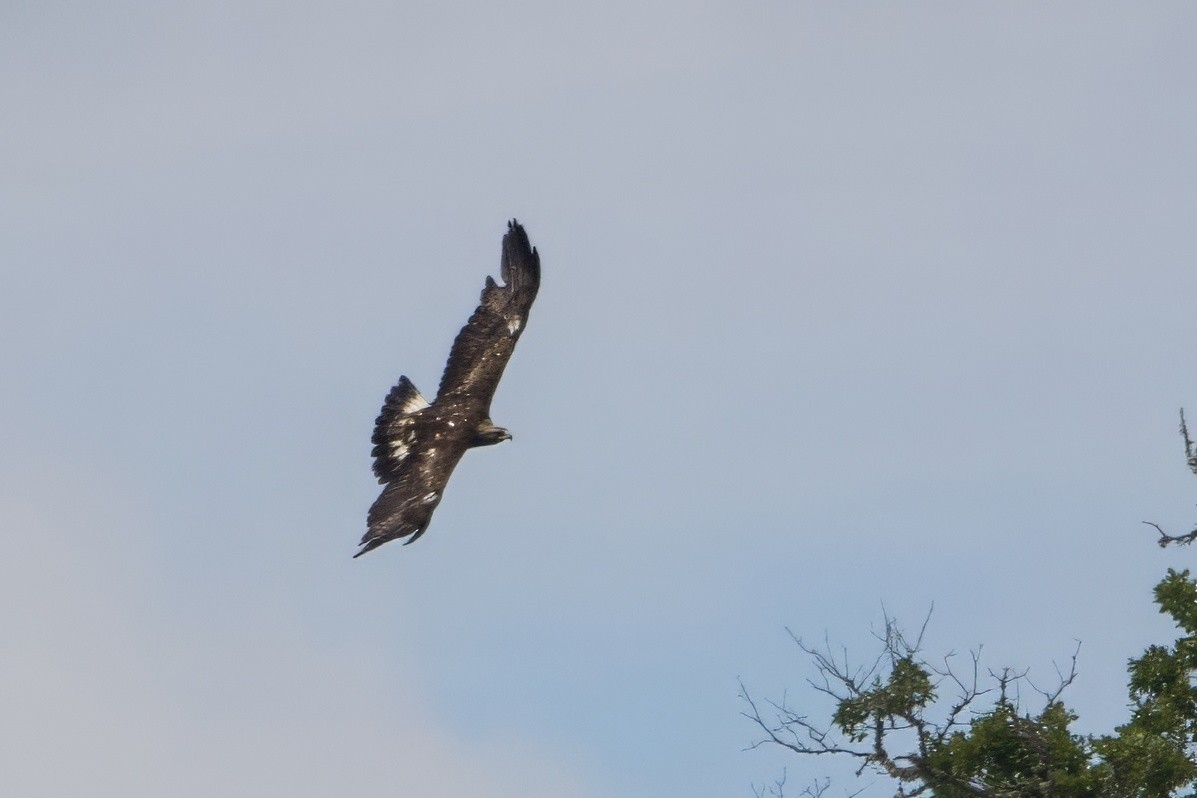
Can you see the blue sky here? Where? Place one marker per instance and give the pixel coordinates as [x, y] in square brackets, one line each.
[842, 306]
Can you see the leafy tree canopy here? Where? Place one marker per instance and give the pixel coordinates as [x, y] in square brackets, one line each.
[943, 729]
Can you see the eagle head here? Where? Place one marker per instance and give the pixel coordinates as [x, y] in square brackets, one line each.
[487, 434]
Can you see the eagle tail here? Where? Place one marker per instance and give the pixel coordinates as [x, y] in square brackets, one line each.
[397, 418]
[403, 400]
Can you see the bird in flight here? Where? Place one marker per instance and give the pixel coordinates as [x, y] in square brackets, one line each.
[418, 443]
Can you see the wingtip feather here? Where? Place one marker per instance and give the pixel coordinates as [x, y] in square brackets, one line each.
[520, 265]
[369, 544]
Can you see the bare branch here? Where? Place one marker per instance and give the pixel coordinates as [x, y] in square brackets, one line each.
[793, 731]
[1064, 681]
[1190, 451]
[777, 789]
[1165, 539]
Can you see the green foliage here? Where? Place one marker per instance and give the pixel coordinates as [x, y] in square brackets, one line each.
[1002, 750]
[937, 733]
[907, 689]
[1153, 754]
[1013, 754]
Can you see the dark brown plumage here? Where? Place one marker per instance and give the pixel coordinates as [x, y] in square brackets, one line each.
[418, 443]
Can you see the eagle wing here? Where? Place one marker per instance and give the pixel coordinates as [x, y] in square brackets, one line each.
[482, 348]
[417, 444]
[414, 458]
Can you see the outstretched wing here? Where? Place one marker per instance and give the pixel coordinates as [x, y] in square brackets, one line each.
[413, 460]
[482, 348]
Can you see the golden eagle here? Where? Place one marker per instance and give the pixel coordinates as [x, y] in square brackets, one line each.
[417, 443]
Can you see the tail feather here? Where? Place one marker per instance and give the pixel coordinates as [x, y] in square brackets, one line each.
[395, 428]
[402, 400]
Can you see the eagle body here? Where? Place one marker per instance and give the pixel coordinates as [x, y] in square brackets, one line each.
[418, 443]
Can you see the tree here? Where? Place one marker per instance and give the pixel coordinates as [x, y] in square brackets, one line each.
[946, 729]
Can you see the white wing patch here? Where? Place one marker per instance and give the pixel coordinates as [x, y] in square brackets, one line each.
[429, 498]
[415, 403]
[401, 446]
[513, 326]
